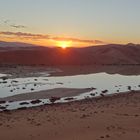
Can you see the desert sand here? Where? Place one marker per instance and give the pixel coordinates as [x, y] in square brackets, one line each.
[114, 117]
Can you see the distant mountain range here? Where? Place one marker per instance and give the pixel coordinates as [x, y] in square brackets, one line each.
[14, 44]
[5, 46]
[22, 53]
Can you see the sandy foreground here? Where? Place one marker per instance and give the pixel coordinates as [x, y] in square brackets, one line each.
[114, 117]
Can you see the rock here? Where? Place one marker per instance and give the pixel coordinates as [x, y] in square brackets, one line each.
[84, 116]
[107, 136]
[6, 111]
[59, 83]
[11, 101]
[4, 82]
[4, 78]
[36, 101]
[14, 81]
[35, 85]
[92, 94]
[102, 95]
[129, 88]
[53, 99]
[2, 107]
[2, 102]
[105, 91]
[24, 103]
[93, 88]
[70, 98]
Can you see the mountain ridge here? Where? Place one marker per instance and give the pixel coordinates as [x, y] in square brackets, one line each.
[103, 54]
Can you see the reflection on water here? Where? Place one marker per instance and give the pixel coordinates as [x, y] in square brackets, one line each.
[100, 83]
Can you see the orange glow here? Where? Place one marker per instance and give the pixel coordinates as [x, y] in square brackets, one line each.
[49, 42]
[64, 44]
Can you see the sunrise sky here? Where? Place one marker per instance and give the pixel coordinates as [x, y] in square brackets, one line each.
[70, 22]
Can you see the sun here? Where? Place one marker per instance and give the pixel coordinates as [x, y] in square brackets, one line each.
[64, 44]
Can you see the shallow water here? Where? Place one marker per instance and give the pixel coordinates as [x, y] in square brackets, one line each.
[100, 82]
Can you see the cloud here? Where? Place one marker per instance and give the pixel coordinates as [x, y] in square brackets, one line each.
[6, 21]
[26, 35]
[49, 37]
[79, 40]
[18, 26]
[13, 25]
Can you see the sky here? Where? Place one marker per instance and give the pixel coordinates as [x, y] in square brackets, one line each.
[70, 22]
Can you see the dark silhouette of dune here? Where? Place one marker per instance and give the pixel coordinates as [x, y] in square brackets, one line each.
[21, 53]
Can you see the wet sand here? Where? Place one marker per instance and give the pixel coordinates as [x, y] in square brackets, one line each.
[37, 70]
[59, 92]
[114, 117]
[89, 69]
